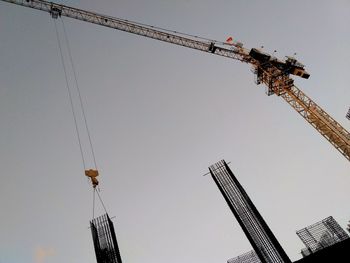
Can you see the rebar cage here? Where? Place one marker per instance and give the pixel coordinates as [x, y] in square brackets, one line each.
[320, 235]
[105, 241]
[253, 225]
[248, 257]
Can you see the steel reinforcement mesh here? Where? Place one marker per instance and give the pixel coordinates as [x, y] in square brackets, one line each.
[254, 226]
[322, 234]
[249, 257]
[105, 241]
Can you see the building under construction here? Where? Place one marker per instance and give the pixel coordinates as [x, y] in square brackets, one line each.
[325, 241]
[248, 257]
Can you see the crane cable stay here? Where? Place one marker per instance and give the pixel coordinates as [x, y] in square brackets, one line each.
[272, 72]
[90, 173]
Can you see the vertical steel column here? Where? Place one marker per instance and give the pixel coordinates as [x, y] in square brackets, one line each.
[254, 226]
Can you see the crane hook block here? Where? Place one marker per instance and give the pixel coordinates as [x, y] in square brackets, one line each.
[92, 174]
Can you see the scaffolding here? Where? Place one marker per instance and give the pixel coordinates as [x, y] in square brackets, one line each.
[248, 257]
[254, 226]
[105, 241]
[320, 235]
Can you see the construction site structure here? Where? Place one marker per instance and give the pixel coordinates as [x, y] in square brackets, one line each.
[105, 241]
[248, 257]
[320, 235]
[348, 114]
[252, 223]
[325, 241]
[269, 70]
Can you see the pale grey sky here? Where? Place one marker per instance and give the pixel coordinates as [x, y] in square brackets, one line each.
[159, 116]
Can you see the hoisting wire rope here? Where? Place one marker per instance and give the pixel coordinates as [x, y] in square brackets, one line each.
[104, 207]
[93, 203]
[79, 94]
[74, 113]
[70, 96]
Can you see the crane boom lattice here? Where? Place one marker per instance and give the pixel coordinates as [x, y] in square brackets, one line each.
[275, 74]
[319, 119]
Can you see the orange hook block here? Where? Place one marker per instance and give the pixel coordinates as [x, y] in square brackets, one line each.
[92, 174]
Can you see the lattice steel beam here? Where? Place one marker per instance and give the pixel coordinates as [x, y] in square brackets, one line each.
[319, 119]
[57, 10]
[277, 81]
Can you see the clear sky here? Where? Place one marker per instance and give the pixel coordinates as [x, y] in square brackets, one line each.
[159, 115]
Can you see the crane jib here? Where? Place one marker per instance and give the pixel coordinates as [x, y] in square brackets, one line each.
[269, 70]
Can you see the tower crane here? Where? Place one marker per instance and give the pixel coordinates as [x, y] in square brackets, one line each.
[274, 73]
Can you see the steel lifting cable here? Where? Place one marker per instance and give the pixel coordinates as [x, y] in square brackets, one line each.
[91, 173]
[70, 96]
[93, 203]
[79, 93]
[104, 207]
[73, 111]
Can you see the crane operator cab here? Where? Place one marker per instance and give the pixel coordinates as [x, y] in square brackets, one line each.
[92, 174]
[296, 67]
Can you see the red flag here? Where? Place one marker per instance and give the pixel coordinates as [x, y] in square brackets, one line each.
[229, 40]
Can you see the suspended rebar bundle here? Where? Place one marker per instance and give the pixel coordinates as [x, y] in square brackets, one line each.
[105, 241]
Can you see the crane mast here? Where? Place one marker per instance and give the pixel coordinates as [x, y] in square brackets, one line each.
[275, 74]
